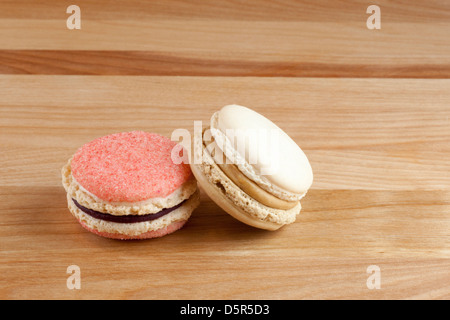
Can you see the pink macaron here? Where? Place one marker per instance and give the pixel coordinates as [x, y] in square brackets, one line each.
[126, 186]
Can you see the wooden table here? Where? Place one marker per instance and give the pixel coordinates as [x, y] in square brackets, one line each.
[370, 108]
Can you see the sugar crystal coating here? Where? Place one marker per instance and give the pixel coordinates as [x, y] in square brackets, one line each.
[129, 167]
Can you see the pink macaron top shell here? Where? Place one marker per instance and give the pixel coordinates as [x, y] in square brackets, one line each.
[129, 167]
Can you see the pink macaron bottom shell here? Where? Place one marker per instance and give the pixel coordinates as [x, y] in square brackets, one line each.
[146, 235]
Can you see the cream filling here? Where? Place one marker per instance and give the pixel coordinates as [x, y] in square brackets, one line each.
[134, 229]
[226, 146]
[238, 198]
[247, 185]
[154, 205]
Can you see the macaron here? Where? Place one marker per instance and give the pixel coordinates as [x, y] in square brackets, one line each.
[251, 168]
[126, 186]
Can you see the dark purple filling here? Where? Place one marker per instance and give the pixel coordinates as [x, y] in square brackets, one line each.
[126, 219]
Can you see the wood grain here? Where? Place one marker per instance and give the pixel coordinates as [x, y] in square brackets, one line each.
[261, 10]
[370, 108]
[378, 147]
[353, 130]
[109, 62]
[227, 38]
[323, 255]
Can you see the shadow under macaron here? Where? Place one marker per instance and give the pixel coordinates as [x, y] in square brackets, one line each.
[210, 222]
